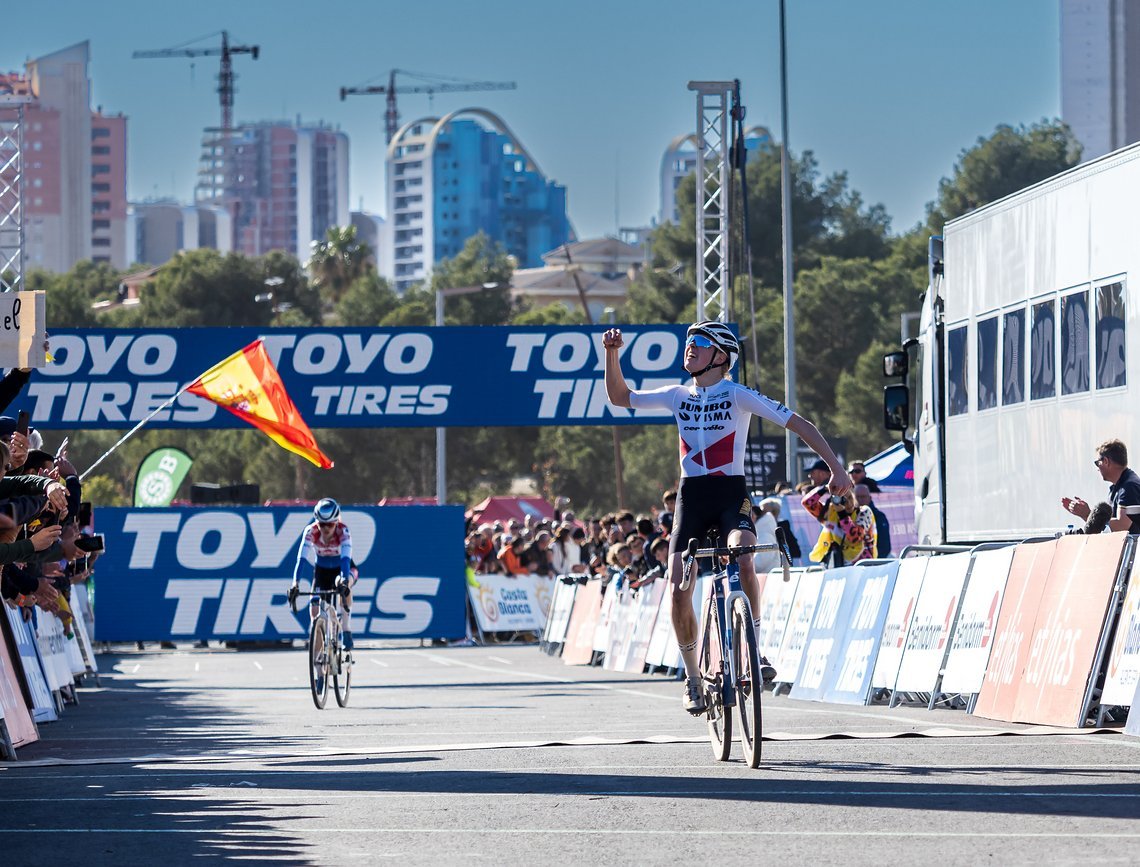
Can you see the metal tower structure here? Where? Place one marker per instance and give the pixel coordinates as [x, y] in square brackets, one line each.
[11, 191]
[714, 106]
[435, 84]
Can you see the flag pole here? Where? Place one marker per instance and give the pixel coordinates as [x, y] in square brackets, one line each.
[134, 430]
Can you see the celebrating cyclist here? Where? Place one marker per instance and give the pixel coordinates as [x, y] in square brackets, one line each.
[325, 556]
[712, 415]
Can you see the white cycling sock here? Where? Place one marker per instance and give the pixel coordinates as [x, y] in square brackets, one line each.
[692, 660]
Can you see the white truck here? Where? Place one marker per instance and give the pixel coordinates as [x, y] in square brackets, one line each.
[1027, 356]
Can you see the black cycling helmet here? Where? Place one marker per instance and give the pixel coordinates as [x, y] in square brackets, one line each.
[327, 510]
[722, 338]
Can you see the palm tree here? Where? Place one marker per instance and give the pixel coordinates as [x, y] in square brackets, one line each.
[337, 261]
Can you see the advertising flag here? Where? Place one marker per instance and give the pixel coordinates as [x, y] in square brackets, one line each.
[159, 476]
[248, 385]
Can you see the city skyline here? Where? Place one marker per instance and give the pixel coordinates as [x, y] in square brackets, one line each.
[599, 94]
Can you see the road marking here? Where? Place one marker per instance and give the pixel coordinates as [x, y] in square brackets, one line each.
[500, 659]
[633, 832]
[136, 668]
[196, 666]
[258, 665]
[375, 661]
[720, 791]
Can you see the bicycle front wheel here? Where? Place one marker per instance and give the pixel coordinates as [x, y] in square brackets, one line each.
[318, 662]
[342, 677]
[712, 680]
[749, 682]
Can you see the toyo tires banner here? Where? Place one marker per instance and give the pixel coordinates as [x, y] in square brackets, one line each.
[357, 377]
[222, 573]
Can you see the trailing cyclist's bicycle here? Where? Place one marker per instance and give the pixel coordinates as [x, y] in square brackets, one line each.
[729, 655]
[328, 658]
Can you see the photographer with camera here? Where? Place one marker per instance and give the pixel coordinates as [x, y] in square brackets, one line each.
[847, 529]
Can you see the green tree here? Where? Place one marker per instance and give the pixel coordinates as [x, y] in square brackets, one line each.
[1009, 160]
[337, 261]
[200, 288]
[484, 263]
[367, 302]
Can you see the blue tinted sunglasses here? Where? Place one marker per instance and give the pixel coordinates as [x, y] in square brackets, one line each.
[699, 340]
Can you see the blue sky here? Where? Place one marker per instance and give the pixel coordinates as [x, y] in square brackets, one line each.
[890, 91]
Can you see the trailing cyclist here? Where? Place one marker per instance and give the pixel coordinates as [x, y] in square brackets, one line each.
[712, 415]
[325, 557]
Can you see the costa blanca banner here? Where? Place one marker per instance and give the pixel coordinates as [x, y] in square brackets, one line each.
[358, 377]
[223, 573]
[787, 661]
[507, 603]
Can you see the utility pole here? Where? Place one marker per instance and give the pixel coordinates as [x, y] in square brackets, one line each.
[791, 441]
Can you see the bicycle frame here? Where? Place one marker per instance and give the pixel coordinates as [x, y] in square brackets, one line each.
[724, 603]
[326, 610]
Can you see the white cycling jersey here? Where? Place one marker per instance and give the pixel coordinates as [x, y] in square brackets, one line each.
[712, 422]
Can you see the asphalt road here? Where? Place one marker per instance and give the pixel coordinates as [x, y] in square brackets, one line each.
[445, 754]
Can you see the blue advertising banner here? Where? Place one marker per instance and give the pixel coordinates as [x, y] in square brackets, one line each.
[222, 573]
[843, 643]
[358, 377]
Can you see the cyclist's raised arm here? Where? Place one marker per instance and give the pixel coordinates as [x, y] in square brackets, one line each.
[616, 388]
[840, 482]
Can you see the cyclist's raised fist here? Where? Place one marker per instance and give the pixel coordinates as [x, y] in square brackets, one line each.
[612, 339]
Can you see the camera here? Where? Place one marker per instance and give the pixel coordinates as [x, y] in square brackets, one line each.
[90, 544]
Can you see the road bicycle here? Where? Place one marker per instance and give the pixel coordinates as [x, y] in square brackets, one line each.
[328, 659]
[729, 655]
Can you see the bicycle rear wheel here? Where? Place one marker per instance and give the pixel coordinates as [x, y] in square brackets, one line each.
[342, 678]
[318, 662]
[749, 682]
[712, 679]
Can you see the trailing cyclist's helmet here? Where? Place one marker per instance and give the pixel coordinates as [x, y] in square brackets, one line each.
[720, 335]
[326, 511]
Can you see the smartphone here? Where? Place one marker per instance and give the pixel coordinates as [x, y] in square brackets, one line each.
[90, 544]
[22, 421]
[84, 516]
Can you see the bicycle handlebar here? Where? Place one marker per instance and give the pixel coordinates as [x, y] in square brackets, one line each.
[733, 551]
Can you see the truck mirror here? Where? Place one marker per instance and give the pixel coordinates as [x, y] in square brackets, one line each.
[896, 407]
[895, 364]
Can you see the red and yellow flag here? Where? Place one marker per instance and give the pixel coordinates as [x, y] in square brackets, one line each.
[249, 386]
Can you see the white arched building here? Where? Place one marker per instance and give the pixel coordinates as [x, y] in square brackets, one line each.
[449, 178]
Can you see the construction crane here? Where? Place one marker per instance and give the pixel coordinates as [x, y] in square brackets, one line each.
[225, 76]
[434, 84]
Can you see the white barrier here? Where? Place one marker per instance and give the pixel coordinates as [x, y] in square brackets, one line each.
[775, 607]
[605, 620]
[893, 640]
[977, 619]
[43, 706]
[554, 633]
[623, 620]
[787, 661]
[83, 636]
[53, 651]
[1123, 675]
[935, 611]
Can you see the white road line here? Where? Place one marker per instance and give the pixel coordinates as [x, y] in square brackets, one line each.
[307, 796]
[197, 666]
[136, 668]
[258, 664]
[375, 661]
[500, 659]
[728, 770]
[324, 830]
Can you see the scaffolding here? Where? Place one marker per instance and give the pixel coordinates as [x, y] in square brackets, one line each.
[11, 191]
[714, 106]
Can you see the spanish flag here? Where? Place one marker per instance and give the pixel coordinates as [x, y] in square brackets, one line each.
[249, 386]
